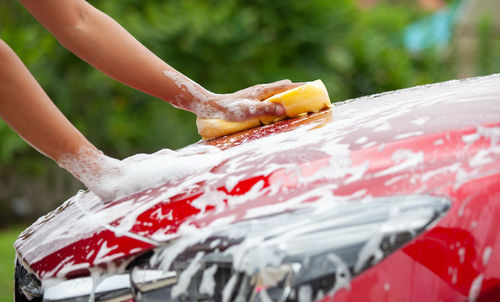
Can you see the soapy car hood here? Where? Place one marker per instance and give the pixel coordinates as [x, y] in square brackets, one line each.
[411, 141]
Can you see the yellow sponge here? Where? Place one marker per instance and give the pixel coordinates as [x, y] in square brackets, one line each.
[212, 128]
[310, 97]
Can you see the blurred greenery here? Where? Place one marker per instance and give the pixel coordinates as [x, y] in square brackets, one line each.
[7, 256]
[489, 47]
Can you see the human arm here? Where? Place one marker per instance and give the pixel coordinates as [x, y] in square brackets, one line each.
[103, 43]
[30, 112]
[26, 108]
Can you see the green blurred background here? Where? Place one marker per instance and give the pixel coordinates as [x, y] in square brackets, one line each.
[357, 47]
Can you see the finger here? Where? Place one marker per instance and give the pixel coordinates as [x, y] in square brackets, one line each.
[267, 90]
[243, 110]
[268, 108]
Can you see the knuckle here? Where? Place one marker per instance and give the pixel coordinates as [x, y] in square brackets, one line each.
[284, 82]
[264, 108]
[268, 107]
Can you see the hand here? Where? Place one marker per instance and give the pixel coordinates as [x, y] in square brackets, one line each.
[244, 104]
[111, 179]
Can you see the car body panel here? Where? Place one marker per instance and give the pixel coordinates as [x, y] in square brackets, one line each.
[453, 261]
[435, 139]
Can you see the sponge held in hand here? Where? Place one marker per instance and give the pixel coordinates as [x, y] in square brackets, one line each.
[310, 97]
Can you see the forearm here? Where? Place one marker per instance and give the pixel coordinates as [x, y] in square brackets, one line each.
[103, 43]
[29, 111]
[26, 108]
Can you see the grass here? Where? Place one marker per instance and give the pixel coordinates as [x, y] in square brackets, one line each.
[7, 255]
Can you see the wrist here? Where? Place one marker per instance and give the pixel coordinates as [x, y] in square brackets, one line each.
[185, 93]
[90, 166]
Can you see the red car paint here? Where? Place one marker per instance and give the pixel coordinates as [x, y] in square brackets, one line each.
[449, 132]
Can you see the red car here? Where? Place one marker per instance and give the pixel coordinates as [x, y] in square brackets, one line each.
[390, 197]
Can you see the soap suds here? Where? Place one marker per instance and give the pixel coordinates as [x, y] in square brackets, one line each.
[486, 255]
[342, 272]
[361, 140]
[420, 121]
[111, 179]
[186, 85]
[387, 286]
[305, 293]
[404, 160]
[186, 275]
[228, 288]
[409, 134]
[207, 285]
[475, 288]
[461, 254]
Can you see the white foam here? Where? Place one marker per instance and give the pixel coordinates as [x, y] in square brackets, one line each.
[228, 288]
[446, 169]
[207, 285]
[188, 86]
[408, 134]
[369, 250]
[404, 159]
[387, 286]
[206, 104]
[105, 250]
[361, 140]
[475, 288]
[186, 275]
[486, 255]
[420, 121]
[202, 104]
[461, 254]
[111, 179]
[305, 293]
[342, 273]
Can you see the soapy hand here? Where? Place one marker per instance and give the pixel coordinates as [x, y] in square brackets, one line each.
[111, 179]
[246, 103]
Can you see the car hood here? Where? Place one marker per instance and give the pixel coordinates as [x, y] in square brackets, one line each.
[385, 144]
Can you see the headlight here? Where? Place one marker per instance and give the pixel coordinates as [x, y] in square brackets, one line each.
[298, 255]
